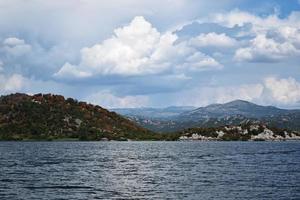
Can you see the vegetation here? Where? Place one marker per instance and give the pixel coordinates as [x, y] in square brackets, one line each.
[51, 117]
[243, 132]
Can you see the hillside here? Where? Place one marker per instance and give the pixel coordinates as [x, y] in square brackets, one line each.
[54, 117]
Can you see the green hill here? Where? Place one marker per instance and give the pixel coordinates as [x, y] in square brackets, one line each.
[47, 117]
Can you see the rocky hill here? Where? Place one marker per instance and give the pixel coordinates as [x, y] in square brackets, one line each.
[47, 116]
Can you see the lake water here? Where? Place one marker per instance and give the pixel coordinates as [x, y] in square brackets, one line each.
[149, 170]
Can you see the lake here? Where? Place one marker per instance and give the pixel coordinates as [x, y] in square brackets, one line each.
[149, 170]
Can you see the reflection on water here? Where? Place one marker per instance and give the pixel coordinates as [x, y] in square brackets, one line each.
[149, 170]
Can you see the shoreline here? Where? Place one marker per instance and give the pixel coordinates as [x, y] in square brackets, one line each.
[184, 141]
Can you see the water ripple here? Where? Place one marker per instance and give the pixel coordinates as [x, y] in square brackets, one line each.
[149, 170]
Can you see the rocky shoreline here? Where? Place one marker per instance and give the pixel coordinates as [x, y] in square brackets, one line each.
[255, 132]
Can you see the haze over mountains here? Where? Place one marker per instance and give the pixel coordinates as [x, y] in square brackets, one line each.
[154, 113]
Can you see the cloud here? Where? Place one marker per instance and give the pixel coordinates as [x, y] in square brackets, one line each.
[275, 39]
[220, 94]
[282, 91]
[90, 20]
[137, 49]
[199, 62]
[69, 70]
[263, 49]
[213, 40]
[15, 46]
[39, 40]
[12, 83]
[107, 99]
[1, 66]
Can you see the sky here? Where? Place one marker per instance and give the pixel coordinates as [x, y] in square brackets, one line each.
[158, 53]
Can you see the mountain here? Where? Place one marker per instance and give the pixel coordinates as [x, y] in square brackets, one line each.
[47, 116]
[215, 115]
[154, 113]
[233, 108]
[237, 112]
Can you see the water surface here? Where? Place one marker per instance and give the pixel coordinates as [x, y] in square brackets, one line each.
[149, 170]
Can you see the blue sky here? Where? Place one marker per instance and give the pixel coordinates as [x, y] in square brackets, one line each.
[135, 53]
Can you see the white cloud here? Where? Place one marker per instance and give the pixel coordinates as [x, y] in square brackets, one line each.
[282, 91]
[263, 49]
[260, 24]
[69, 70]
[220, 94]
[13, 41]
[11, 83]
[271, 91]
[198, 62]
[275, 39]
[15, 46]
[213, 40]
[137, 49]
[108, 100]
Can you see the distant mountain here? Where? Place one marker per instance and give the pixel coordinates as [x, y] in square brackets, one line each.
[233, 108]
[47, 116]
[154, 113]
[215, 115]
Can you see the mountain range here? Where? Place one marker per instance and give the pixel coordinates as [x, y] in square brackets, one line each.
[214, 115]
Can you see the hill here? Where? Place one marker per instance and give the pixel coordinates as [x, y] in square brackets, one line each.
[47, 116]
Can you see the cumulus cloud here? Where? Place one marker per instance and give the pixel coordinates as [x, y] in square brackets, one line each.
[282, 91]
[213, 40]
[263, 49]
[275, 39]
[12, 83]
[107, 99]
[137, 49]
[15, 46]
